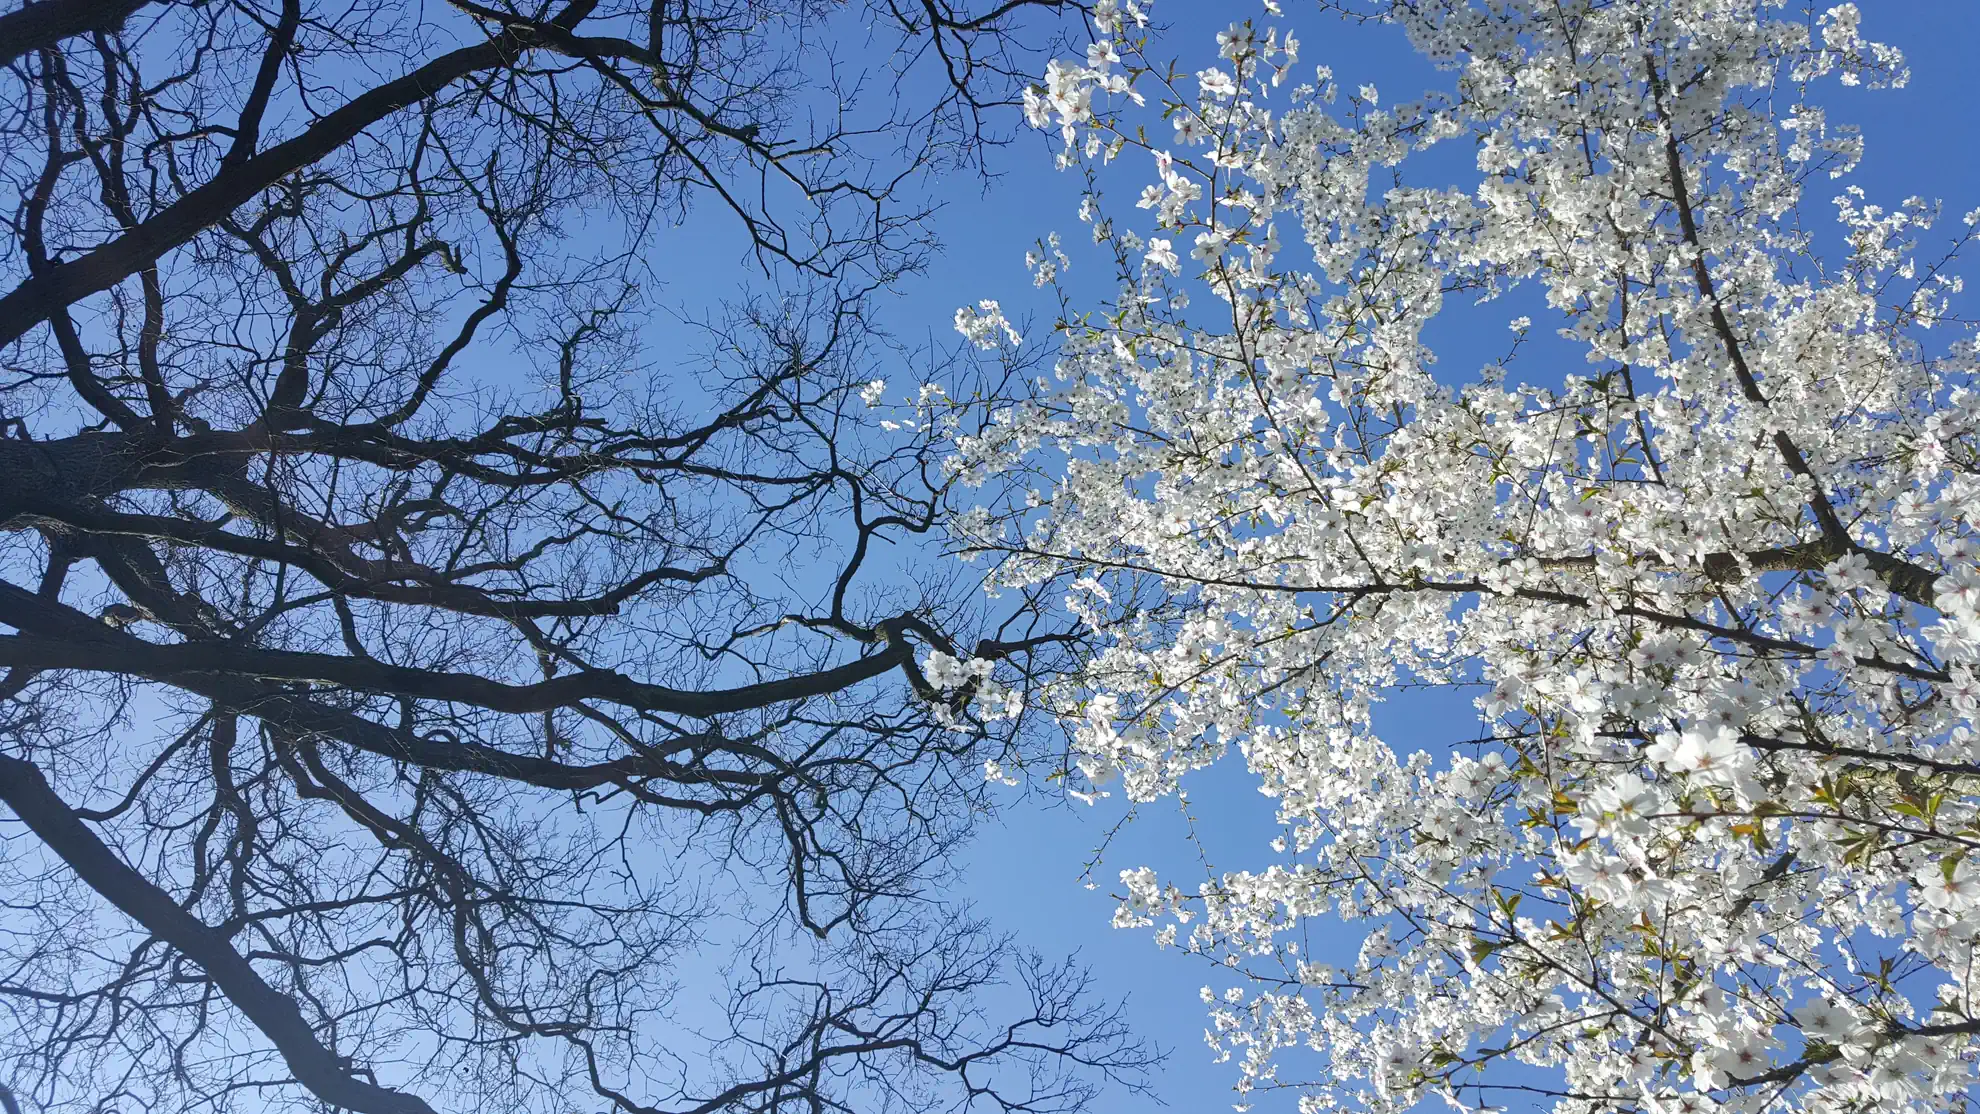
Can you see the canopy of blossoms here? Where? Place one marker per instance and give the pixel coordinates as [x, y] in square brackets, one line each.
[1701, 545]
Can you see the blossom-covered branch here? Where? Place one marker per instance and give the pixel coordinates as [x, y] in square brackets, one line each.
[1702, 550]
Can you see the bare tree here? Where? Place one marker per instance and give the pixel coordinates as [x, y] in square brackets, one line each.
[424, 675]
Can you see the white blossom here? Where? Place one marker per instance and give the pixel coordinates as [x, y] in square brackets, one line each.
[1699, 543]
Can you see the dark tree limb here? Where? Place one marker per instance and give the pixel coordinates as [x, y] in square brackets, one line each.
[37, 26]
[316, 1067]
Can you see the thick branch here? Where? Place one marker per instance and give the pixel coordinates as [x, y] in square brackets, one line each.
[60, 634]
[316, 1067]
[48, 292]
[36, 27]
[169, 663]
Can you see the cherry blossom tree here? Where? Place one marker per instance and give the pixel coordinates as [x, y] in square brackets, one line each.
[1699, 547]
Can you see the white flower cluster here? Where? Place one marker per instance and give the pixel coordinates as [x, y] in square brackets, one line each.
[1704, 553]
[1066, 97]
[989, 700]
[985, 326]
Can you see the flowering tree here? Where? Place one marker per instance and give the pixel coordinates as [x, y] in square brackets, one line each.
[1705, 563]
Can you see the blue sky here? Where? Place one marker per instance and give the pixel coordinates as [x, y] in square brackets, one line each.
[1028, 870]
